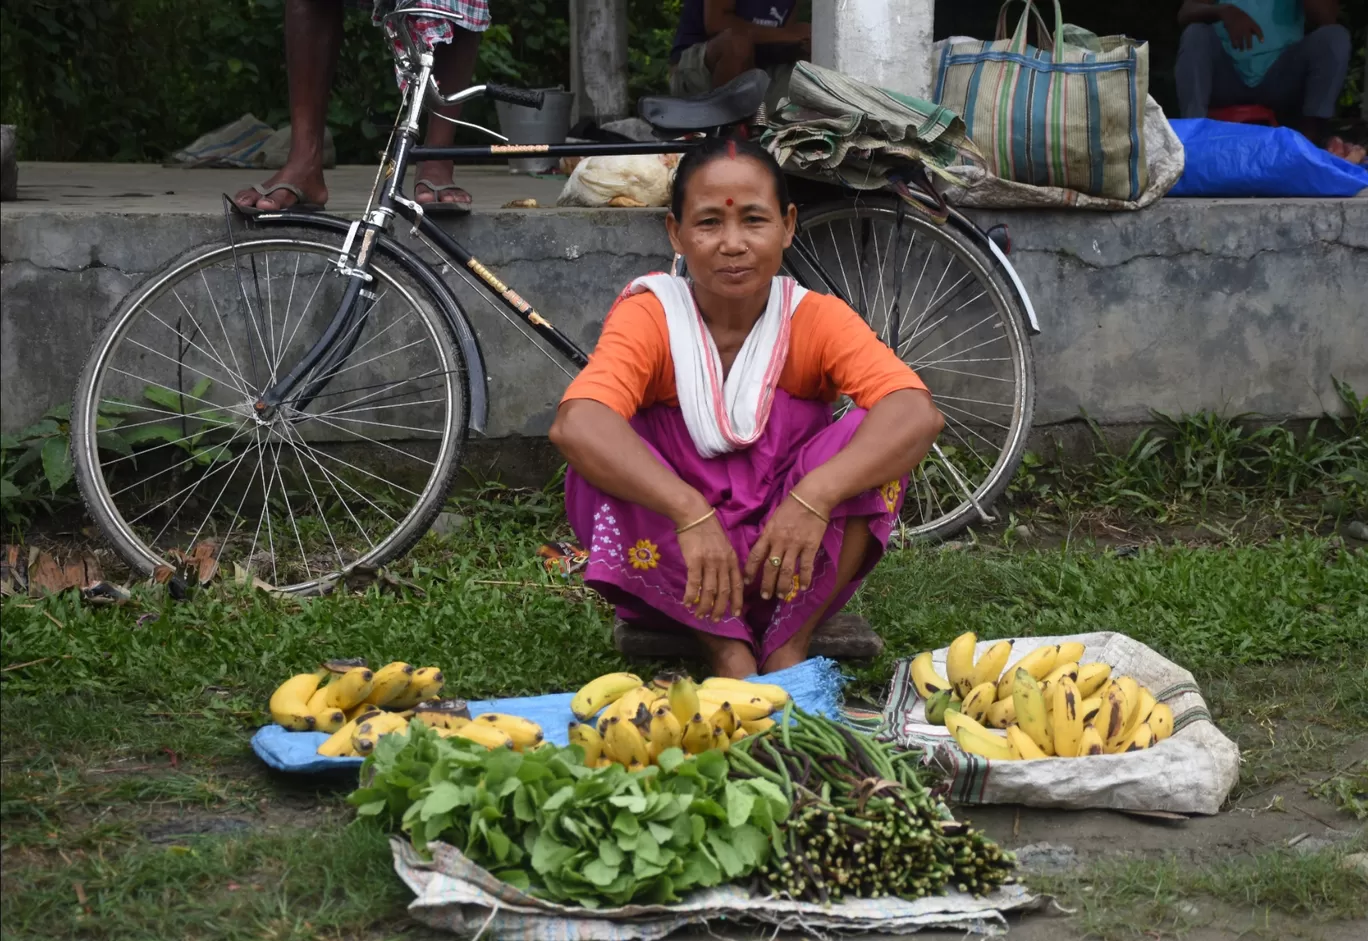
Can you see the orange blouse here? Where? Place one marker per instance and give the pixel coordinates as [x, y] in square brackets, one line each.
[832, 352]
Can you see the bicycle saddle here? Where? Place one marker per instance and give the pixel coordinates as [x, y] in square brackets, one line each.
[733, 103]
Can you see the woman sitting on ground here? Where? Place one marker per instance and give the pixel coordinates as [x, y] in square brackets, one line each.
[708, 480]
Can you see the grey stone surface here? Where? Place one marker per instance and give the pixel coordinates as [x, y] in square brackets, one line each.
[1235, 306]
[1231, 305]
[447, 524]
[1356, 862]
[1046, 857]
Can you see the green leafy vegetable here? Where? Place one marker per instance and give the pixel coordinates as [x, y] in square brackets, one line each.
[547, 824]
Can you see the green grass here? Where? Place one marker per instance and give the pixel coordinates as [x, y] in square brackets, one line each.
[293, 884]
[1130, 897]
[119, 723]
[1191, 468]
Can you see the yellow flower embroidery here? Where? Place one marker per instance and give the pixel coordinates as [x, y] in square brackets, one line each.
[644, 555]
[793, 592]
[890, 492]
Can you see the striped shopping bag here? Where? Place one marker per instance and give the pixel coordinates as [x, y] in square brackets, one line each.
[1069, 113]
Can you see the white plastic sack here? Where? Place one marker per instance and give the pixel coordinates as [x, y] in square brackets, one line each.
[1189, 773]
[454, 894]
[635, 180]
[981, 188]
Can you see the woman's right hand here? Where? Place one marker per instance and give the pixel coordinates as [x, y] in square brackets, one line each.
[714, 581]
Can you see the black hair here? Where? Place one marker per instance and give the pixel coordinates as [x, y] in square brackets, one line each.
[715, 148]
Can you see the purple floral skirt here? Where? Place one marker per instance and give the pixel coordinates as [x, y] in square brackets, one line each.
[634, 558]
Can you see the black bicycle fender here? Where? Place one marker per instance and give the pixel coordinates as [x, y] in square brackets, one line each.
[478, 381]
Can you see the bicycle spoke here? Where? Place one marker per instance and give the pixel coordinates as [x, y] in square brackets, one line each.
[167, 470]
[239, 383]
[954, 359]
[961, 372]
[170, 498]
[302, 447]
[302, 313]
[945, 405]
[377, 408]
[956, 328]
[960, 398]
[202, 375]
[382, 444]
[313, 456]
[289, 510]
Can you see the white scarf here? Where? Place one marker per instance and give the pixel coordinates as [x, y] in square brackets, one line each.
[731, 415]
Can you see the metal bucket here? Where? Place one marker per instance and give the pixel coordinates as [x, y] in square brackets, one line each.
[523, 125]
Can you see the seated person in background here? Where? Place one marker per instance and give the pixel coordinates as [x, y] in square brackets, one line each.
[1288, 55]
[717, 40]
[701, 440]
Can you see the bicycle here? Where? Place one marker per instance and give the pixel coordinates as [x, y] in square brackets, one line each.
[274, 351]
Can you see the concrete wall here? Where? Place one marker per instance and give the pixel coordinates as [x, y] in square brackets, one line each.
[1236, 306]
[884, 42]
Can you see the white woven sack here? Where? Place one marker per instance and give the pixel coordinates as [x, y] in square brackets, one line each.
[1190, 773]
[453, 894]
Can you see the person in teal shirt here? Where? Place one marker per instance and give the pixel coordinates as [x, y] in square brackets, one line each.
[1288, 55]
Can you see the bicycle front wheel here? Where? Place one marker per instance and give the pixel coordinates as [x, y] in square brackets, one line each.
[938, 299]
[177, 468]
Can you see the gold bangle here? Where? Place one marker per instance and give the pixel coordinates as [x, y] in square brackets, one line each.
[810, 508]
[698, 522]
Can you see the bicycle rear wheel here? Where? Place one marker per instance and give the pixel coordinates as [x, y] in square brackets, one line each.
[177, 468]
[943, 303]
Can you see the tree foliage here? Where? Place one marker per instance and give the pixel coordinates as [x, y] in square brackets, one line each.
[137, 79]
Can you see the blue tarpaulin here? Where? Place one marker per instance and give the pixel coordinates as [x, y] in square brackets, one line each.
[815, 686]
[1250, 160]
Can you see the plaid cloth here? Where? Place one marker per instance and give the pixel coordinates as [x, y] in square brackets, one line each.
[431, 29]
[428, 30]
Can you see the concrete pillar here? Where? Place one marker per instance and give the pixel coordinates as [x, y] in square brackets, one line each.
[601, 50]
[883, 42]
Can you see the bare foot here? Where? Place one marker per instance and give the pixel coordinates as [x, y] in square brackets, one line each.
[309, 179]
[727, 656]
[439, 172]
[791, 653]
[1341, 148]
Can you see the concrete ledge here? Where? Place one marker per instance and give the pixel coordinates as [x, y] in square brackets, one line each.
[1230, 305]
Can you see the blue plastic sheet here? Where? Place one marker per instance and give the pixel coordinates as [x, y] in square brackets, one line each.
[1249, 160]
[815, 686]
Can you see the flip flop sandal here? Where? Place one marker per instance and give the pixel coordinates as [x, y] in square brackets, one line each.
[300, 204]
[438, 207]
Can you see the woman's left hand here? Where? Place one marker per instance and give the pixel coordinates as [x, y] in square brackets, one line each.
[792, 536]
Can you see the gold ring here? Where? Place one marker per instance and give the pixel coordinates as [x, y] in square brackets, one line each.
[776, 561]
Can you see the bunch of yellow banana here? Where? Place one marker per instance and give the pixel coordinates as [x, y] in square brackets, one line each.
[1047, 704]
[621, 719]
[305, 703]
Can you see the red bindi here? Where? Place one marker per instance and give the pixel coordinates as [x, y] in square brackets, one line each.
[731, 149]
[729, 200]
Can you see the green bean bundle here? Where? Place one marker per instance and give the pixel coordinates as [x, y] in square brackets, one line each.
[863, 825]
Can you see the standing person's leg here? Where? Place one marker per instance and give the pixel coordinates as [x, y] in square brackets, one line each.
[1305, 82]
[313, 38]
[453, 65]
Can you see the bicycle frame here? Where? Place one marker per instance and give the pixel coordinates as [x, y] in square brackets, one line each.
[310, 375]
